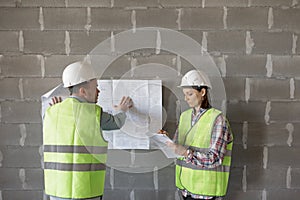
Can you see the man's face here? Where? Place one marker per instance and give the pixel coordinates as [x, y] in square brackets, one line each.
[91, 91]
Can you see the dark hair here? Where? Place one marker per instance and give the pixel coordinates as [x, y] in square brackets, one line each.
[205, 103]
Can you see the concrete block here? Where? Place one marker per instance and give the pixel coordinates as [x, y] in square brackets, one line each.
[44, 42]
[286, 66]
[260, 134]
[251, 111]
[118, 69]
[20, 112]
[34, 135]
[297, 85]
[9, 179]
[34, 88]
[9, 88]
[283, 193]
[252, 156]
[19, 18]
[34, 179]
[246, 66]
[235, 88]
[226, 3]
[295, 174]
[235, 179]
[292, 115]
[22, 194]
[24, 157]
[180, 4]
[135, 3]
[20, 66]
[283, 157]
[152, 18]
[258, 178]
[169, 103]
[65, 18]
[297, 44]
[247, 18]
[170, 126]
[151, 195]
[9, 41]
[83, 43]
[43, 3]
[9, 134]
[237, 130]
[133, 181]
[166, 178]
[110, 19]
[117, 193]
[272, 42]
[286, 19]
[202, 18]
[55, 64]
[248, 195]
[194, 34]
[168, 60]
[88, 3]
[296, 137]
[269, 89]
[7, 3]
[222, 41]
[272, 3]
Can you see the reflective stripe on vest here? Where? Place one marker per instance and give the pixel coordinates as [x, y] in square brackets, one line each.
[195, 179]
[74, 150]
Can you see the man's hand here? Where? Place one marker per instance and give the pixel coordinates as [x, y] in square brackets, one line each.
[125, 104]
[55, 100]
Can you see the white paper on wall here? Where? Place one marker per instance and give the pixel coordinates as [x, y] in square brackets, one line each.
[144, 119]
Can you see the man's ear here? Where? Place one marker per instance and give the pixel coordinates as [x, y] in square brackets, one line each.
[82, 91]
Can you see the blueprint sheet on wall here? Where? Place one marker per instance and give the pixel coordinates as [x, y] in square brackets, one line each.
[143, 120]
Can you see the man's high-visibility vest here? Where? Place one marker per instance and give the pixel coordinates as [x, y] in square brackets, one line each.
[195, 179]
[74, 150]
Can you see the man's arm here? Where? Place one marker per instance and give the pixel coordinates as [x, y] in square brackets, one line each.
[112, 122]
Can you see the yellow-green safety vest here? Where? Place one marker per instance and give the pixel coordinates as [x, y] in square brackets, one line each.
[195, 179]
[74, 150]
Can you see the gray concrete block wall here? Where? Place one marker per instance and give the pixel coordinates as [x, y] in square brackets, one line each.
[255, 44]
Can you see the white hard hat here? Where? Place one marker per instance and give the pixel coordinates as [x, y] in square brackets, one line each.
[195, 78]
[76, 73]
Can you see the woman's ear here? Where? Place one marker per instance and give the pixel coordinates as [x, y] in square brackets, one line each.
[203, 92]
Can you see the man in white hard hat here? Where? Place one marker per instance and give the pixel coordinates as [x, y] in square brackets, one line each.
[204, 140]
[74, 148]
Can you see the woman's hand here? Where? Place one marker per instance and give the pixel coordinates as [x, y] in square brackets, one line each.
[163, 132]
[178, 149]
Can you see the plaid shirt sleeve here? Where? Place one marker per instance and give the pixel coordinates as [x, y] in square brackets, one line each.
[221, 135]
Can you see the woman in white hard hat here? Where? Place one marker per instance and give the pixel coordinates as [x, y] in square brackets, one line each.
[74, 149]
[204, 142]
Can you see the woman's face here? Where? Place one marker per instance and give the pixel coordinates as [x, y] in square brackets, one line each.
[193, 97]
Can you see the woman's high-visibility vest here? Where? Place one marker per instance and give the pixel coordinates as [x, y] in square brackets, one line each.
[195, 179]
[74, 150]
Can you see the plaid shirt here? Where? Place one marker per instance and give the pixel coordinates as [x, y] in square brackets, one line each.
[220, 137]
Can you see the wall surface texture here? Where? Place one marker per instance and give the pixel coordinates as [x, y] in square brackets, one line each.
[254, 43]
